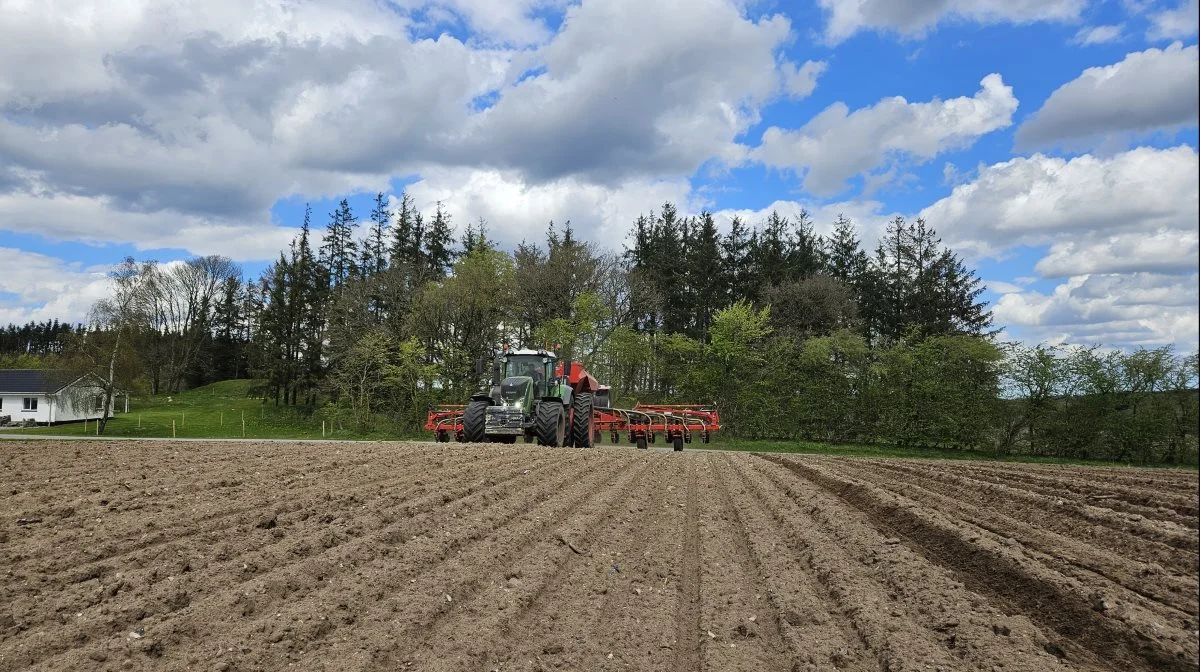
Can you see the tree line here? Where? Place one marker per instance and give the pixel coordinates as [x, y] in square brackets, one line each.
[793, 335]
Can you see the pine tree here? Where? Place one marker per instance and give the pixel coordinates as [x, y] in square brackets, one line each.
[737, 269]
[375, 248]
[339, 250]
[705, 277]
[805, 252]
[438, 254]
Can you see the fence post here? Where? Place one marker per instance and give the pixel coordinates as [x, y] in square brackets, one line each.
[243, 424]
[139, 420]
[172, 428]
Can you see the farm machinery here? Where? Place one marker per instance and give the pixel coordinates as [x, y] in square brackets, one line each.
[536, 395]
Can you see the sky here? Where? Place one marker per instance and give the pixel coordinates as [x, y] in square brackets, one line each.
[1052, 143]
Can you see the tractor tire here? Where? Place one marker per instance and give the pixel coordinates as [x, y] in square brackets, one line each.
[475, 421]
[550, 424]
[582, 422]
[677, 443]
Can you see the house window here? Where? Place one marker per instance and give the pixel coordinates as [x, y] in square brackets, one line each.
[31, 403]
[99, 403]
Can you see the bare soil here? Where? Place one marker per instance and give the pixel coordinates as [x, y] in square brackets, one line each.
[424, 556]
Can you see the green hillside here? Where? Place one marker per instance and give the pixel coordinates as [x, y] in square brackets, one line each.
[213, 411]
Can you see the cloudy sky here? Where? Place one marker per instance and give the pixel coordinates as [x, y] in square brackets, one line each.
[1052, 142]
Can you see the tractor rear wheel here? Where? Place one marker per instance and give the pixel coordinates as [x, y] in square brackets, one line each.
[581, 420]
[475, 421]
[551, 423]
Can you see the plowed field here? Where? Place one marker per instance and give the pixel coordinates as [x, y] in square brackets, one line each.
[410, 556]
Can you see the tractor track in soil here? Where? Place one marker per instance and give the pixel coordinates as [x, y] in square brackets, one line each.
[1002, 576]
[423, 556]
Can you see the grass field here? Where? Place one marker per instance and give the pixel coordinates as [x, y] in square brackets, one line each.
[217, 411]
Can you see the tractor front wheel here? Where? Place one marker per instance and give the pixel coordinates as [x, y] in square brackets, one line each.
[551, 423]
[475, 421]
[582, 421]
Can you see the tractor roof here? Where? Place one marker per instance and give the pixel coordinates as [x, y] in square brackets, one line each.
[527, 351]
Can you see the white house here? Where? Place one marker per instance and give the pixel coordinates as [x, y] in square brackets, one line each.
[48, 397]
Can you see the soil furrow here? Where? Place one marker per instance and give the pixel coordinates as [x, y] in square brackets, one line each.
[472, 634]
[989, 571]
[741, 598]
[687, 616]
[306, 567]
[1119, 586]
[117, 546]
[1148, 501]
[1131, 561]
[364, 556]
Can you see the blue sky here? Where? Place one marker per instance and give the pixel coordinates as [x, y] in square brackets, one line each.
[1052, 142]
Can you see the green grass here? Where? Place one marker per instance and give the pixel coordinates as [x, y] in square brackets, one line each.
[214, 411]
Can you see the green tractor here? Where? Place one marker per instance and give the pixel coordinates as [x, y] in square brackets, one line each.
[536, 395]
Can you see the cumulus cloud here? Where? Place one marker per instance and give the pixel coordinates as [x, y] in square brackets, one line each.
[1139, 309]
[1120, 232]
[1163, 251]
[838, 144]
[1151, 90]
[94, 220]
[516, 209]
[211, 112]
[915, 17]
[47, 288]
[1176, 23]
[800, 82]
[1040, 199]
[1089, 35]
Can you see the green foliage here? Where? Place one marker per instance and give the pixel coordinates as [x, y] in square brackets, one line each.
[794, 336]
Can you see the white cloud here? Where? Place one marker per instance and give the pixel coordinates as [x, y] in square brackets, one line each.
[1114, 310]
[800, 83]
[1171, 24]
[1164, 251]
[869, 217]
[92, 219]
[1156, 89]
[632, 89]
[915, 17]
[1089, 35]
[211, 112]
[1120, 231]
[1003, 287]
[508, 22]
[46, 288]
[517, 209]
[1040, 199]
[838, 144]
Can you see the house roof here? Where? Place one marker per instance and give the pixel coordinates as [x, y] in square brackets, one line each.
[34, 381]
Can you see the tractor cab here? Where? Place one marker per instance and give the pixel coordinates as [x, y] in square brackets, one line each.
[520, 368]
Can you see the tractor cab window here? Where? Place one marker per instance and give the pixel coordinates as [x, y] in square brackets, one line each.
[534, 366]
[530, 366]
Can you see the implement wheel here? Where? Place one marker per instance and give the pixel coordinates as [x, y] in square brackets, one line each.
[677, 443]
[582, 420]
[550, 424]
[475, 421]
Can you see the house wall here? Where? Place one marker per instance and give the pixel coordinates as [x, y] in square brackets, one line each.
[65, 412]
[13, 405]
[53, 408]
